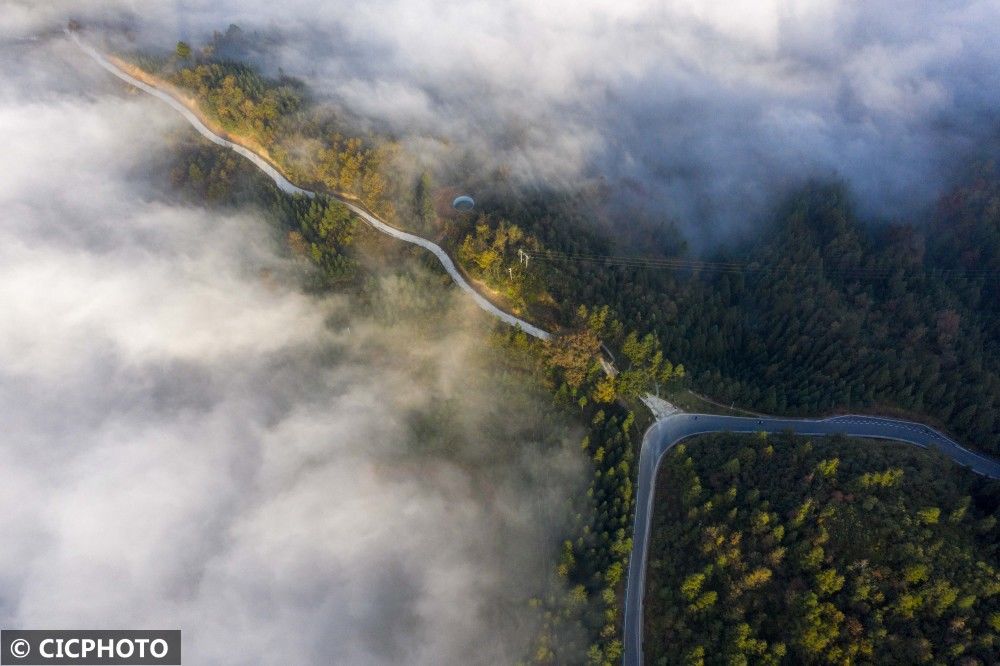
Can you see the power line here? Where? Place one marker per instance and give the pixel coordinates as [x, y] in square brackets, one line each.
[732, 267]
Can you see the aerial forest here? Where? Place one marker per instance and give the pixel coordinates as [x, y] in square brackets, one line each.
[778, 549]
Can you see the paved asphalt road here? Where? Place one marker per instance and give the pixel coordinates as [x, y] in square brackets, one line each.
[666, 432]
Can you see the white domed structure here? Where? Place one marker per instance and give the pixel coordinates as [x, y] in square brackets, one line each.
[463, 203]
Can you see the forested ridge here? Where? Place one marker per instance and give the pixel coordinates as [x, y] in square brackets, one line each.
[843, 316]
[781, 550]
[578, 615]
[824, 313]
[308, 142]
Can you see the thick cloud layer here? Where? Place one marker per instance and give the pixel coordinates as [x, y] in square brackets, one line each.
[190, 442]
[704, 111]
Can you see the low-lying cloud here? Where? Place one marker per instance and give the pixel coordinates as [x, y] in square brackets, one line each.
[701, 112]
[191, 442]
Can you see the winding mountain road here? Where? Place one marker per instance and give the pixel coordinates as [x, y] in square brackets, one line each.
[287, 186]
[665, 433]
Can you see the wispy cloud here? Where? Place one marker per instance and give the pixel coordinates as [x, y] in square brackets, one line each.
[701, 111]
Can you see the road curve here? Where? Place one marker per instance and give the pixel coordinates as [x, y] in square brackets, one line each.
[666, 432]
[287, 186]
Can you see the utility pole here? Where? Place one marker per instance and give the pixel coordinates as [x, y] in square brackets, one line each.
[522, 255]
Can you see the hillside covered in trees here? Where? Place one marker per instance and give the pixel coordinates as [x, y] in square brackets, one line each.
[781, 550]
[823, 313]
[578, 615]
[276, 117]
[837, 315]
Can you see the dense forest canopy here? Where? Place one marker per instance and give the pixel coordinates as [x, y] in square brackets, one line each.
[825, 313]
[850, 317]
[312, 145]
[781, 550]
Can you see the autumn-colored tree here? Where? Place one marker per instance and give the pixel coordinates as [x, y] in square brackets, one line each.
[574, 354]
